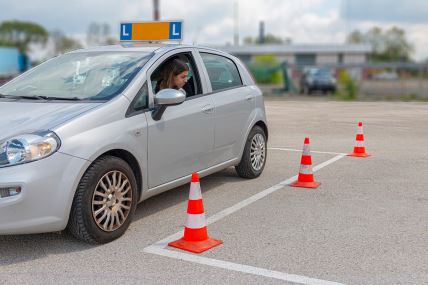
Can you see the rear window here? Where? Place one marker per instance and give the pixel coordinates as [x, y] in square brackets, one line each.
[222, 71]
[320, 72]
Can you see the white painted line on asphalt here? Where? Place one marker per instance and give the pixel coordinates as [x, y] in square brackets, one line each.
[159, 247]
[299, 150]
[327, 162]
[238, 267]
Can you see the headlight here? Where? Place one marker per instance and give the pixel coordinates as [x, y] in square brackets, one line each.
[28, 147]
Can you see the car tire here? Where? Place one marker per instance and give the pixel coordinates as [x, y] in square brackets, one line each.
[255, 145]
[104, 202]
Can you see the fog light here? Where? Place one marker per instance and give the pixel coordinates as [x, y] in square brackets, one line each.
[9, 191]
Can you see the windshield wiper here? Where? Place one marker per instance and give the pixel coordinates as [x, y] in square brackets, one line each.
[15, 97]
[61, 98]
[5, 96]
[26, 97]
[40, 97]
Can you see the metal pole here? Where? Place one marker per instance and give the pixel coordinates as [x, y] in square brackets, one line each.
[261, 32]
[421, 80]
[156, 13]
[236, 24]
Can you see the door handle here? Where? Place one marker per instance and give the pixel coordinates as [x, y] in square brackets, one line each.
[249, 97]
[208, 109]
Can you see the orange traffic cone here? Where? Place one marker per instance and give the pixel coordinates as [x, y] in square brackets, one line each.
[306, 177]
[195, 237]
[359, 149]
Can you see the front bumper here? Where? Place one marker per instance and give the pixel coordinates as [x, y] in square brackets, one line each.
[47, 191]
[322, 86]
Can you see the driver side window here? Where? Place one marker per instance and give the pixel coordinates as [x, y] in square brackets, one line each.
[191, 87]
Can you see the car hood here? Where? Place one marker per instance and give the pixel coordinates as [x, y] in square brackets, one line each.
[19, 117]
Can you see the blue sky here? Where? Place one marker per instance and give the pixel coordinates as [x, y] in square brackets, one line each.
[407, 11]
[211, 21]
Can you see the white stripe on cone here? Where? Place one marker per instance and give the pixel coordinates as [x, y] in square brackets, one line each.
[359, 143]
[195, 221]
[306, 149]
[305, 169]
[195, 191]
[360, 130]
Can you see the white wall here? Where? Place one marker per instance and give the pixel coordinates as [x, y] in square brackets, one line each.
[354, 58]
[327, 59]
[288, 58]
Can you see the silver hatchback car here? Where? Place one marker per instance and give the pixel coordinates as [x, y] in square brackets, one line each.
[84, 137]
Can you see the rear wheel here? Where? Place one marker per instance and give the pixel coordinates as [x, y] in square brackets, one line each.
[255, 153]
[104, 202]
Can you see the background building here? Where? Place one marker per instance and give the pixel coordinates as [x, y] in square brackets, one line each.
[305, 55]
[10, 61]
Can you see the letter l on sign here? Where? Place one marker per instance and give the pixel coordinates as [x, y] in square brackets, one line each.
[124, 33]
[174, 32]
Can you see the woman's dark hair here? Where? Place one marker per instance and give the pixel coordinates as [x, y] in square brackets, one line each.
[173, 68]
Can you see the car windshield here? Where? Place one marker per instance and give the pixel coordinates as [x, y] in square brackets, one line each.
[320, 72]
[79, 76]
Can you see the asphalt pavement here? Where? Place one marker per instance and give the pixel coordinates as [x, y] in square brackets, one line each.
[366, 224]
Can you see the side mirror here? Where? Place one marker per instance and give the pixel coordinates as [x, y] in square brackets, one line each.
[169, 97]
[165, 98]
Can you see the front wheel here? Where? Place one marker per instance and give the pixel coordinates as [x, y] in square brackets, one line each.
[104, 202]
[255, 153]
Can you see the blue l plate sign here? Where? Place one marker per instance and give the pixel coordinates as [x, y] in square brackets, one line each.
[175, 31]
[126, 32]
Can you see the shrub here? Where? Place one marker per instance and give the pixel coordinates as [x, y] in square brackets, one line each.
[347, 87]
[266, 69]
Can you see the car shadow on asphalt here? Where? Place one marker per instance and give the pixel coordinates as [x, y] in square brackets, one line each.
[22, 248]
[180, 194]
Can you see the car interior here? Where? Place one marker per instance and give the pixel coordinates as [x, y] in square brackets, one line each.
[193, 85]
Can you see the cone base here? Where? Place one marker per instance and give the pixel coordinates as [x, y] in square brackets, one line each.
[305, 184]
[354, 154]
[195, 246]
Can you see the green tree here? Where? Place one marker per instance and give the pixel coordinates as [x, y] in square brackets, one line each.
[266, 69]
[397, 46]
[249, 41]
[347, 87]
[63, 43]
[269, 39]
[389, 45]
[21, 34]
[99, 34]
[356, 37]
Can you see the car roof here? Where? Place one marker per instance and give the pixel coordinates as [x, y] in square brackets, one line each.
[143, 47]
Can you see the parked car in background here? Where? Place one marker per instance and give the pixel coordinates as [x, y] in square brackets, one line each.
[317, 79]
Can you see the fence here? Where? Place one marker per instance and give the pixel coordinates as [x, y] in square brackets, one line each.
[388, 80]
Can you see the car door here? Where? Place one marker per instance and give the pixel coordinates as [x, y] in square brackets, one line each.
[233, 103]
[181, 142]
